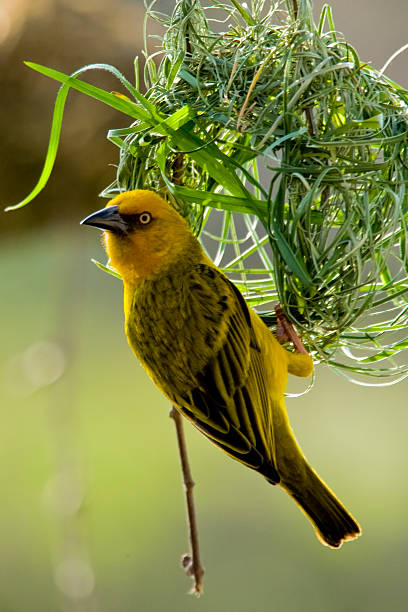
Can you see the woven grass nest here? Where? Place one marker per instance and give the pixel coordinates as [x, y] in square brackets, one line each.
[288, 156]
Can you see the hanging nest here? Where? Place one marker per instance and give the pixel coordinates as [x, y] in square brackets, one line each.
[276, 123]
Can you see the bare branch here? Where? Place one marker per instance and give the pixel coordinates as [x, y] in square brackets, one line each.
[190, 561]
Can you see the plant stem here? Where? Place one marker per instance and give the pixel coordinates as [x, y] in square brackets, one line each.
[292, 6]
[308, 110]
[190, 561]
[309, 120]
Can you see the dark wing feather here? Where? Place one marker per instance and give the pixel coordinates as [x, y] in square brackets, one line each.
[229, 402]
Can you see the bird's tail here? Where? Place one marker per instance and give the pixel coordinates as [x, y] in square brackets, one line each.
[333, 523]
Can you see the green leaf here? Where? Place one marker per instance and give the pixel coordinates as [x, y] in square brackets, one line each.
[136, 69]
[188, 77]
[177, 119]
[296, 266]
[107, 269]
[175, 68]
[209, 157]
[161, 157]
[124, 106]
[244, 14]
[220, 201]
[134, 129]
[292, 135]
[52, 148]
[388, 351]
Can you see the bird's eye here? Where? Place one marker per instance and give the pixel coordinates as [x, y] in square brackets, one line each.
[145, 218]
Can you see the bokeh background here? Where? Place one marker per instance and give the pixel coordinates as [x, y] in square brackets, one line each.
[92, 509]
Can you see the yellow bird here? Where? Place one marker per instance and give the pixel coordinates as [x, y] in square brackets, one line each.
[209, 353]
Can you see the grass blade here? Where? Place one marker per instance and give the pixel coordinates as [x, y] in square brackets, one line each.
[52, 148]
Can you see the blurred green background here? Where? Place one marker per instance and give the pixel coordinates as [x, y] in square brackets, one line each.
[92, 512]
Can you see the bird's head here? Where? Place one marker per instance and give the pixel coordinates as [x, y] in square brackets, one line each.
[143, 234]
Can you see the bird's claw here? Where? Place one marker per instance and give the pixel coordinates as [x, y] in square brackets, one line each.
[285, 331]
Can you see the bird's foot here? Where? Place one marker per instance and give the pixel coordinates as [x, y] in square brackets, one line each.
[285, 331]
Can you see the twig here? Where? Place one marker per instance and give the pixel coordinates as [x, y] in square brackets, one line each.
[178, 169]
[250, 89]
[233, 70]
[309, 120]
[190, 561]
[292, 5]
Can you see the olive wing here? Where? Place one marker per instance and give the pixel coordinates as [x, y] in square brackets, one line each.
[229, 401]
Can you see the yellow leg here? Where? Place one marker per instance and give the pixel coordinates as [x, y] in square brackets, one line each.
[299, 363]
[286, 332]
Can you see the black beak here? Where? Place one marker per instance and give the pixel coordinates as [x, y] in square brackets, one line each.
[107, 219]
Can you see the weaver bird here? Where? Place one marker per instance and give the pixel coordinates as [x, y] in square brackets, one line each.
[209, 353]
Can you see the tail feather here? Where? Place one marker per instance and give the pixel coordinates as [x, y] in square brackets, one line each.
[332, 522]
